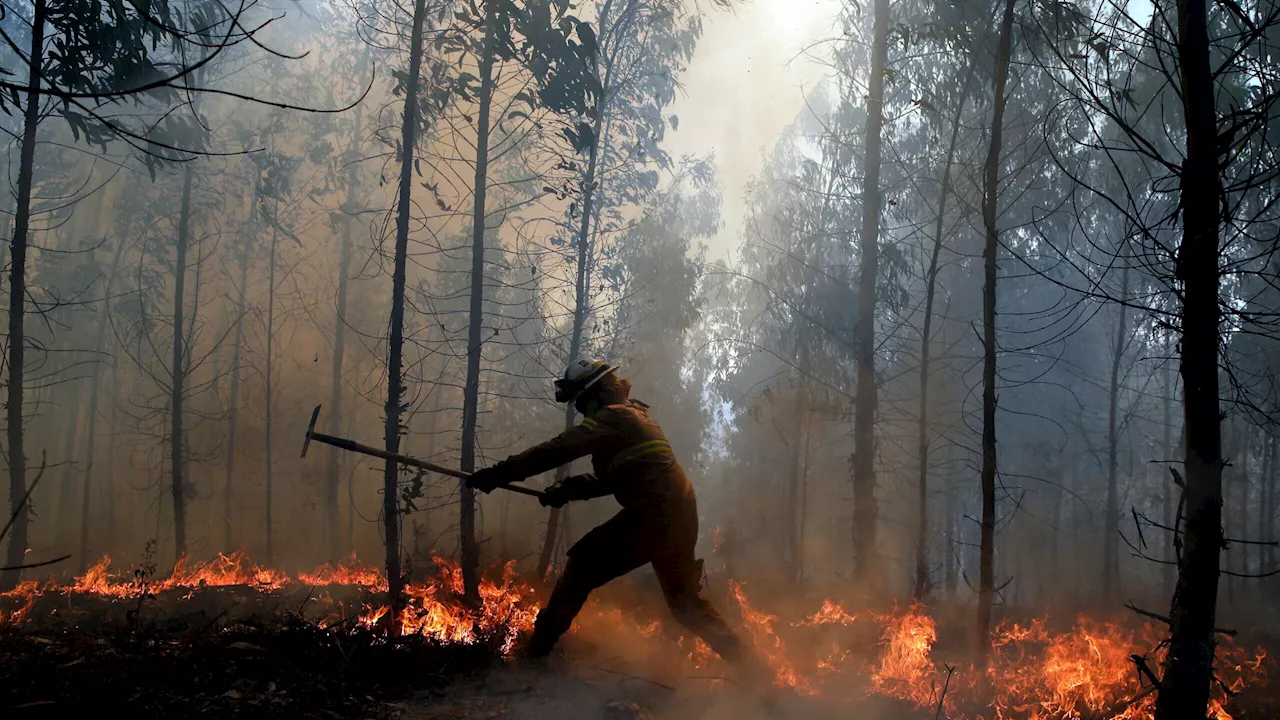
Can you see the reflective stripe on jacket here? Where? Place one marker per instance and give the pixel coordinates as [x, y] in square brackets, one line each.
[629, 454]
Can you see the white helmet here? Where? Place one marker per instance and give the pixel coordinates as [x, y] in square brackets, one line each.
[580, 375]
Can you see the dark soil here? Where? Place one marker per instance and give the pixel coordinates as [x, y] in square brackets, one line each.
[279, 666]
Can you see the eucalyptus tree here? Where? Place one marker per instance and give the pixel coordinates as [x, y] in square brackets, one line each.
[644, 46]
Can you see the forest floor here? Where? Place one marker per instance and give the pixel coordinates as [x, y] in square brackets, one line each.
[285, 650]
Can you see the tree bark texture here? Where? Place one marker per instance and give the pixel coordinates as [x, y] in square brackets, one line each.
[395, 340]
[990, 197]
[1188, 667]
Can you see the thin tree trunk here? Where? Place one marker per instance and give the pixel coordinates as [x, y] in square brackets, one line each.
[113, 440]
[1269, 510]
[1188, 668]
[65, 507]
[793, 487]
[471, 392]
[95, 388]
[990, 195]
[582, 300]
[807, 422]
[395, 342]
[931, 280]
[17, 307]
[1111, 531]
[865, 510]
[233, 410]
[339, 351]
[1166, 513]
[270, 376]
[178, 373]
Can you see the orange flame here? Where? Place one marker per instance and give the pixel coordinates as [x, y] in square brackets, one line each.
[768, 642]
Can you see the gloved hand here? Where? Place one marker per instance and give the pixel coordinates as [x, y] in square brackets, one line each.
[486, 480]
[557, 494]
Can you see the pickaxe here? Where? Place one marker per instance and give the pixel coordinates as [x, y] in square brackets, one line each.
[354, 446]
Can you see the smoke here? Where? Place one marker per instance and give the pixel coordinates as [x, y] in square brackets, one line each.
[747, 83]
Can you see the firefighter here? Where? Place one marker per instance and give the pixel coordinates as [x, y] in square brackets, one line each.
[658, 523]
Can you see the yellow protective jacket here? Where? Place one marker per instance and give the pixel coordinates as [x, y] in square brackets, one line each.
[631, 458]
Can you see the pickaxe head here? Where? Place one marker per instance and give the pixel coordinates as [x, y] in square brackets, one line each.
[311, 428]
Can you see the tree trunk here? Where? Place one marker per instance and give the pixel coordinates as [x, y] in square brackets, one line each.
[339, 355]
[990, 195]
[1269, 517]
[793, 488]
[1188, 668]
[865, 511]
[270, 376]
[95, 388]
[395, 341]
[178, 373]
[582, 300]
[1111, 530]
[1166, 514]
[113, 440]
[931, 282]
[20, 513]
[471, 392]
[233, 411]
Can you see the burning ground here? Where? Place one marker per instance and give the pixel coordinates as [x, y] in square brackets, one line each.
[230, 638]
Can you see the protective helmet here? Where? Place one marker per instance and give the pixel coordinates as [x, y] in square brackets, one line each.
[580, 375]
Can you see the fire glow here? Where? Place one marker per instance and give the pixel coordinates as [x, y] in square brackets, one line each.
[1086, 671]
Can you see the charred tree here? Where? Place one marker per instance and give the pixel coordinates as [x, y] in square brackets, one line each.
[865, 510]
[475, 347]
[1188, 667]
[990, 197]
[17, 308]
[395, 341]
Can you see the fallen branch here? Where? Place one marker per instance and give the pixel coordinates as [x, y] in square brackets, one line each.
[946, 684]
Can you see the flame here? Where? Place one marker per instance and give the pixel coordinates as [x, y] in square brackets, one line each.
[351, 572]
[439, 610]
[25, 594]
[906, 671]
[768, 642]
[831, 614]
[223, 571]
[1035, 672]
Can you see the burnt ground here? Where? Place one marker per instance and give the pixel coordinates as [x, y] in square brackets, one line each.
[247, 670]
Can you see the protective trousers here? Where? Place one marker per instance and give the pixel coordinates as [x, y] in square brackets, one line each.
[662, 536]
